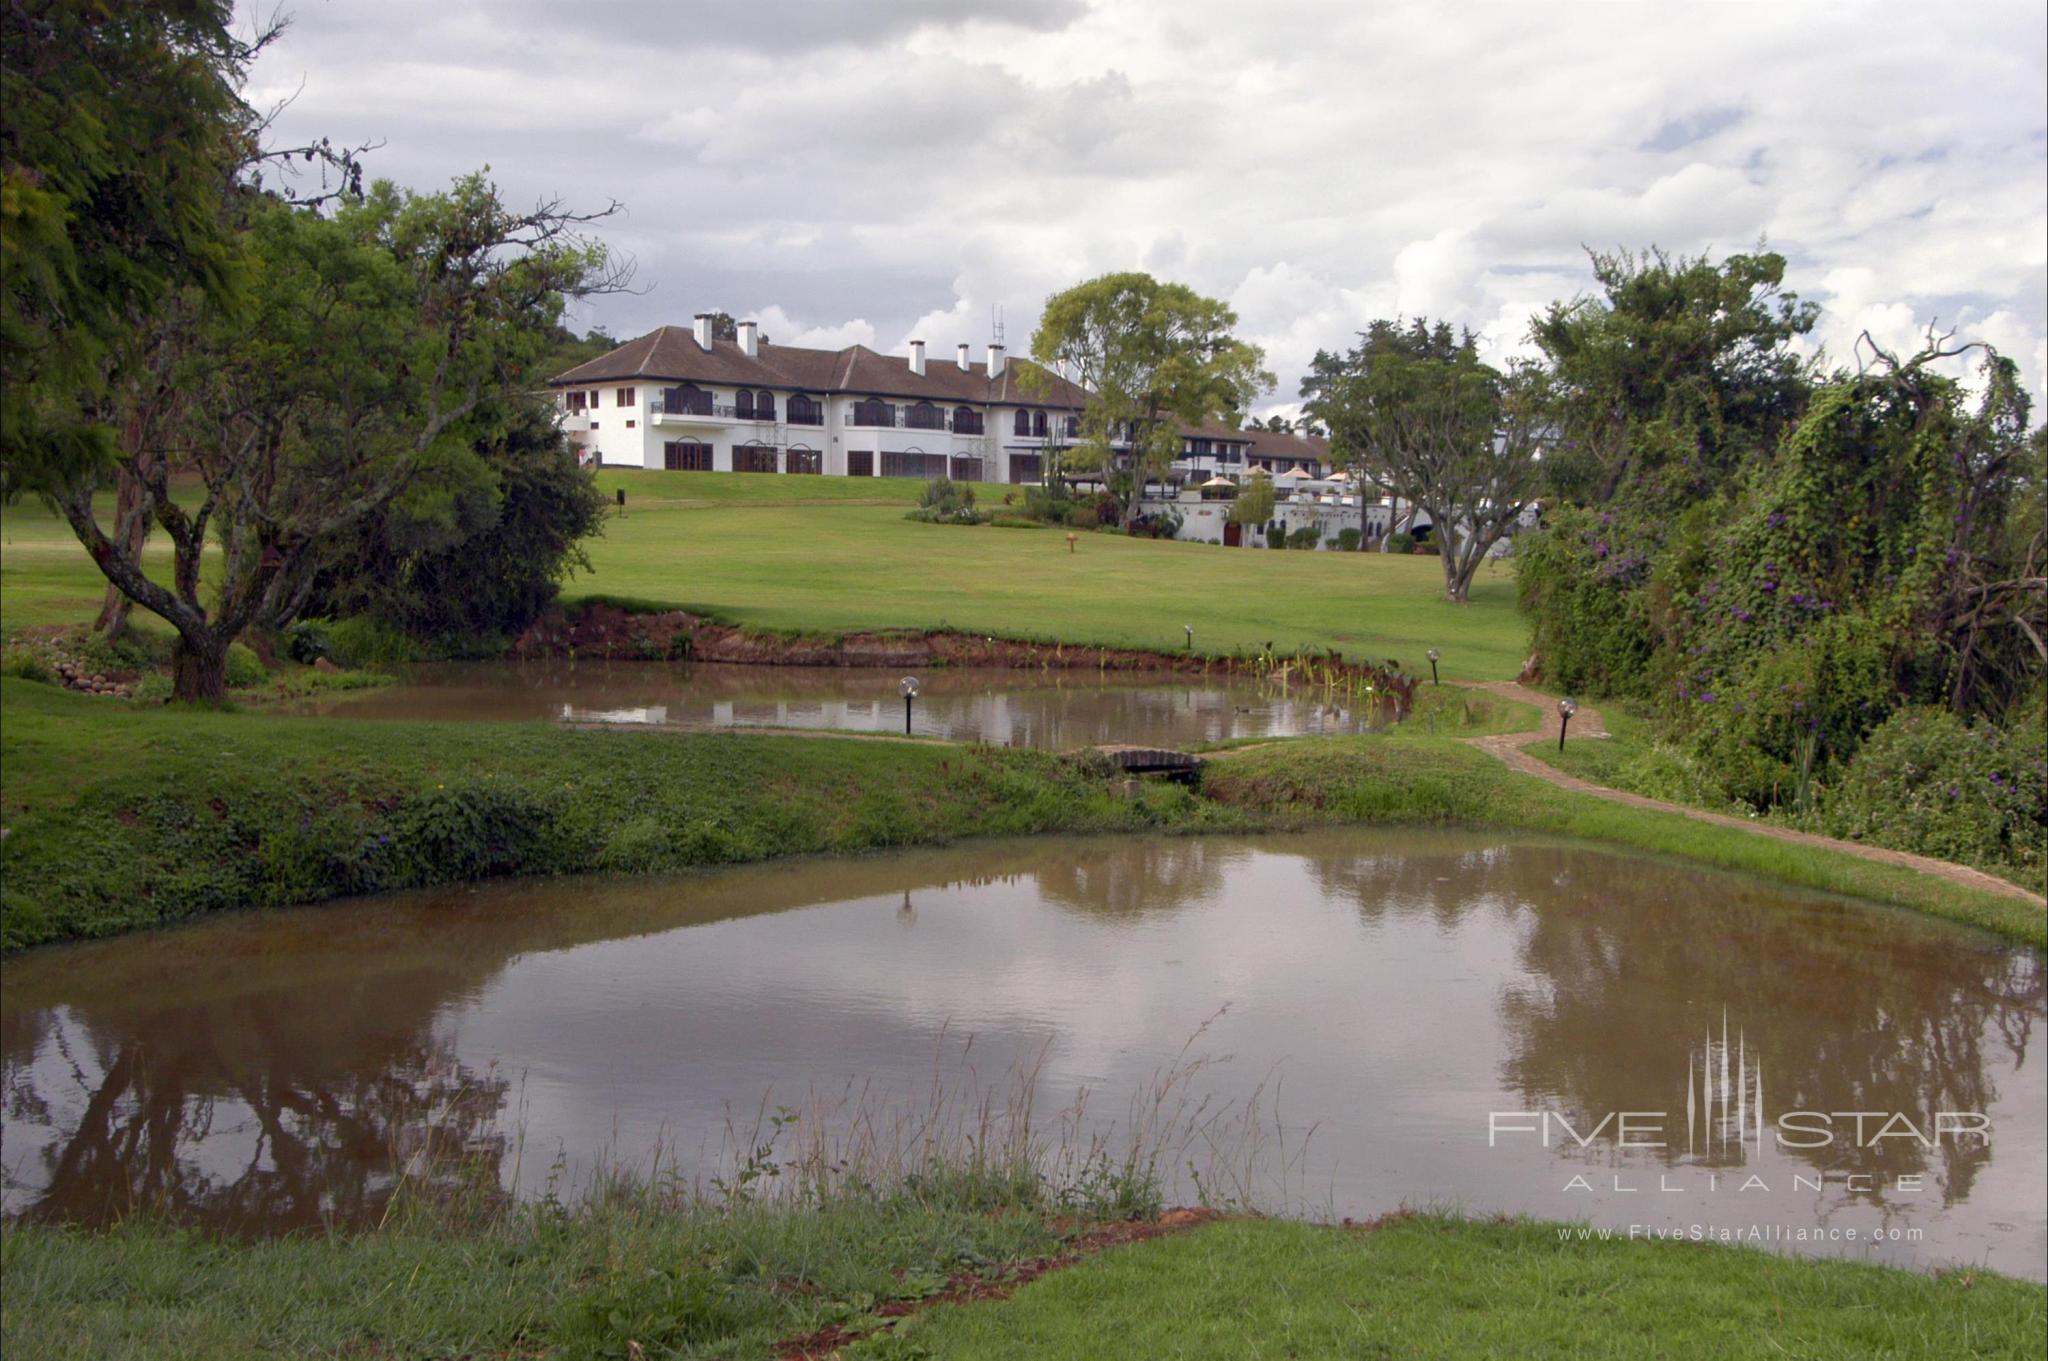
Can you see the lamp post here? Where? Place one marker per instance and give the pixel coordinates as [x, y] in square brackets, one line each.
[1433, 655]
[1189, 629]
[907, 687]
[1566, 707]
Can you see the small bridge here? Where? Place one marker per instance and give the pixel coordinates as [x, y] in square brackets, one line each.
[1178, 765]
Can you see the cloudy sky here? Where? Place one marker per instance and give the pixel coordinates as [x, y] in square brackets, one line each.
[849, 171]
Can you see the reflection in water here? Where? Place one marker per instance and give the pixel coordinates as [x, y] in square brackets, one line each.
[271, 1073]
[1053, 710]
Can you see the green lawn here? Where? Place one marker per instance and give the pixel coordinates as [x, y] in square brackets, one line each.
[831, 555]
[1433, 1287]
[641, 1277]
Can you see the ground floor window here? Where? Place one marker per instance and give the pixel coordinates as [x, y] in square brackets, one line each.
[802, 460]
[1027, 467]
[913, 465]
[686, 456]
[753, 458]
[967, 470]
[860, 463]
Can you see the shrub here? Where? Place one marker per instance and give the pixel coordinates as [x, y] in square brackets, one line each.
[946, 502]
[1926, 781]
[26, 664]
[1348, 540]
[1048, 505]
[152, 689]
[245, 670]
[306, 641]
[366, 641]
[1306, 536]
[1585, 614]
[1400, 542]
[1165, 525]
[1010, 521]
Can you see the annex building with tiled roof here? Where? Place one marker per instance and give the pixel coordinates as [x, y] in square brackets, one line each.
[680, 398]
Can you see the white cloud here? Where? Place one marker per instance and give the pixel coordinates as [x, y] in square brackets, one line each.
[890, 170]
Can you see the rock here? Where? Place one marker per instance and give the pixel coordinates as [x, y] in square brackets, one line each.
[322, 664]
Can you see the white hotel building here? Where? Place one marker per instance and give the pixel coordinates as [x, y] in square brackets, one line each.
[683, 400]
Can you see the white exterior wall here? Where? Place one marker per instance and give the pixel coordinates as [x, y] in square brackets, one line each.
[633, 436]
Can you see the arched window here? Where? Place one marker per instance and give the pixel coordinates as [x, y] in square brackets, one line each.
[687, 400]
[805, 411]
[764, 406]
[924, 416]
[873, 411]
[1038, 422]
[966, 421]
[1023, 422]
[1073, 427]
[743, 405]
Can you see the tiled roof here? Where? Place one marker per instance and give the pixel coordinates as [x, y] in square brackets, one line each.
[672, 353]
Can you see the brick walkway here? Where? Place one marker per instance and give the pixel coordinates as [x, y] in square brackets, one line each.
[1586, 723]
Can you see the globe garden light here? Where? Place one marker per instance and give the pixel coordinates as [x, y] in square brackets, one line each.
[1190, 630]
[907, 687]
[1566, 707]
[1433, 655]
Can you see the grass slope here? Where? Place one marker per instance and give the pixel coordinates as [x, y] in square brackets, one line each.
[824, 555]
[1432, 1287]
[120, 817]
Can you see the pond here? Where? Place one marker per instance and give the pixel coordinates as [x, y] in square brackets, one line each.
[1407, 1017]
[1055, 710]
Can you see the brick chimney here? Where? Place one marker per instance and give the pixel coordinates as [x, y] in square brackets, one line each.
[750, 337]
[703, 330]
[917, 357]
[995, 361]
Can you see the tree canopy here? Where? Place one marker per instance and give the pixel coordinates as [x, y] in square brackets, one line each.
[1155, 356]
[123, 126]
[1411, 407]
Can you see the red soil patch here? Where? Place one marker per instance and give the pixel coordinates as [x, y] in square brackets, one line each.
[967, 1287]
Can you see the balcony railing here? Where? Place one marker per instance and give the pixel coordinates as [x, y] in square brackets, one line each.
[915, 418]
[815, 416]
[662, 406]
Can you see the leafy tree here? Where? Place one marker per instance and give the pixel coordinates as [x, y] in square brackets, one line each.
[1675, 377]
[1154, 356]
[122, 125]
[479, 549]
[1412, 407]
[1254, 504]
[371, 343]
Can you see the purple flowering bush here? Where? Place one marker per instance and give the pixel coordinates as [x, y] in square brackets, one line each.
[1927, 781]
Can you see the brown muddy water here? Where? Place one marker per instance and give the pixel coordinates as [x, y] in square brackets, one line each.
[1054, 710]
[1469, 1019]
